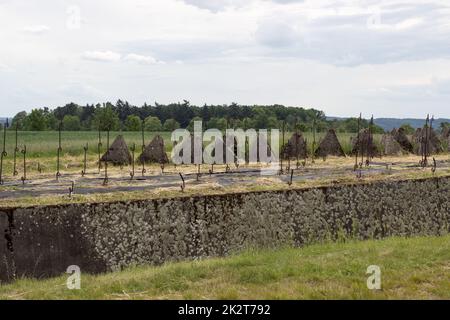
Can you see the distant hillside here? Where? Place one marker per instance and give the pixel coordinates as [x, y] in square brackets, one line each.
[390, 123]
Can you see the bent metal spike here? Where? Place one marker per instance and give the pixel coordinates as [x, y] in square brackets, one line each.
[4, 153]
[133, 150]
[16, 150]
[24, 153]
[370, 154]
[58, 159]
[85, 149]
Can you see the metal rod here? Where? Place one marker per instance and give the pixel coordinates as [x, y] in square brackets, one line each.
[24, 153]
[85, 148]
[283, 148]
[369, 143]
[429, 136]
[296, 141]
[290, 178]
[16, 150]
[183, 185]
[424, 145]
[361, 145]
[133, 150]
[71, 189]
[58, 173]
[4, 153]
[357, 143]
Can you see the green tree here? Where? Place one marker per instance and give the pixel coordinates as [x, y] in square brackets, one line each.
[51, 120]
[19, 120]
[272, 123]
[133, 123]
[191, 123]
[171, 125]
[35, 121]
[217, 123]
[71, 123]
[248, 123]
[105, 118]
[377, 129]
[153, 124]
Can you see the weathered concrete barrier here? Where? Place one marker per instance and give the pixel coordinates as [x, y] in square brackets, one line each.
[44, 241]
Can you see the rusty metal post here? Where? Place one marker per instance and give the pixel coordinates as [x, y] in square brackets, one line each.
[282, 149]
[133, 150]
[424, 143]
[296, 138]
[24, 153]
[429, 136]
[16, 150]
[58, 156]
[85, 149]
[361, 146]
[4, 153]
[358, 143]
[71, 189]
[183, 184]
[290, 178]
[370, 143]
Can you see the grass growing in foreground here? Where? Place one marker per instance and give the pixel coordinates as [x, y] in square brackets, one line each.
[413, 268]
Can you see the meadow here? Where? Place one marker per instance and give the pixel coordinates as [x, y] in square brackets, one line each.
[45, 143]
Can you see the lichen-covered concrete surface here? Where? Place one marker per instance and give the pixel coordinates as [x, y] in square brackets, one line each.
[44, 241]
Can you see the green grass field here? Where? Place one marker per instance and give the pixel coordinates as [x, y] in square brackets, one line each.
[45, 143]
[411, 268]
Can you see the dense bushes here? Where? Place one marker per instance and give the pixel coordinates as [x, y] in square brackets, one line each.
[123, 116]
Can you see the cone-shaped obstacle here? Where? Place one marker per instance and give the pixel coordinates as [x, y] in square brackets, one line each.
[391, 146]
[400, 136]
[330, 146]
[154, 152]
[365, 144]
[295, 147]
[118, 153]
[427, 138]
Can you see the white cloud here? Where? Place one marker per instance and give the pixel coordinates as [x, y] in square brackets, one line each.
[213, 5]
[257, 51]
[36, 29]
[107, 56]
[141, 59]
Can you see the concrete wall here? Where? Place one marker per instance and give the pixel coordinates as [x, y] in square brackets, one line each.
[44, 241]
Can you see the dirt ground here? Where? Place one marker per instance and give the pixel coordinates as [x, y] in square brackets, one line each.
[41, 185]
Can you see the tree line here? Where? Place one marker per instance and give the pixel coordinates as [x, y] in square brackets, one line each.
[159, 117]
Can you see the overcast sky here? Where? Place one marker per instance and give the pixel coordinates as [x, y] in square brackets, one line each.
[390, 58]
